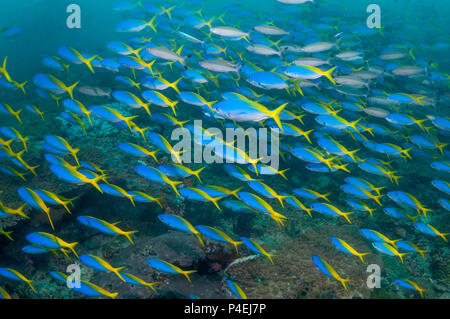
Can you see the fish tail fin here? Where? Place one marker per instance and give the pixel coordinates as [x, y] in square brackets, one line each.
[200, 238]
[20, 211]
[361, 255]
[425, 211]
[328, 73]
[352, 154]
[146, 107]
[443, 236]
[308, 210]
[4, 71]
[88, 62]
[406, 152]
[376, 198]
[151, 25]
[72, 248]
[187, 272]
[150, 285]
[3, 68]
[234, 193]
[392, 242]
[172, 106]
[400, 255]
[208, 23]
[180, 49]
[167, 11]
[421, 291]
[353, 125]
[215, 200]
[136, 52]
[236, 244]
[30, 283]
[344, 283]
[220, 18]
[21, 86]
[8, 235]
[280, 199]
[411, 54]
[24, 142]
[117, 272]
[270, 257]
[378, 189]
[422, 252]
[306, 135]
[325, 196]
[199, 12]
[174, 184]
[130, 197]
[441, 147]
[396, 178]
[70, 89]
[174, 85]
[343, 167]
[282, 173]
[197, 174]
[32, 169]
[113, 295]
[346, 216]
[275, 114]
[16, 115]
[210, 105]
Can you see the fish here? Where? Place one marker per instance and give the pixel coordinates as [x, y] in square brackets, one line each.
[105, 227]
[33, 199]
[182, 224]
[4, 294]
[49, 83]
[137, 150]
[157, 176]
[99, 264]
[238, 292]
[430, 230]
[50, 241]
[356, 116]
[15, 275]
[386, 248]
[328, 209]
[346, 248]
[324, 267]
[257, 203]
[86, 288]
[411, 285]
[255, 247]
[131, 279]
[377, 237]
[218, 235]
[166, 267]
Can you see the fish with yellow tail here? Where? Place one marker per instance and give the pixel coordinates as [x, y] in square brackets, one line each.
[346, 248]
[329, 271]
[166, 267]
[99, 264]
[105, 227]
[255, 247]
[15, 275]
[411, 285]
[181, 224]
[49, 241]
